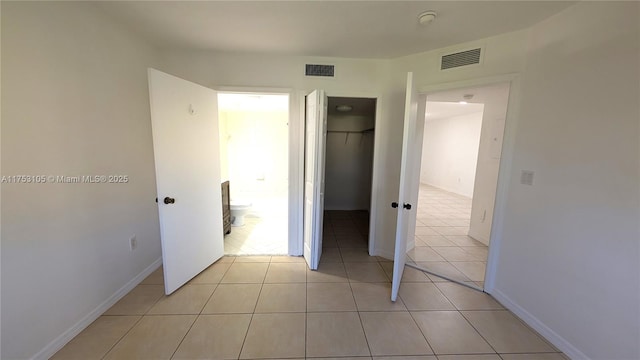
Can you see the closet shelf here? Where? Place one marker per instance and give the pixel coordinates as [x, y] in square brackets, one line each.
[350, 131]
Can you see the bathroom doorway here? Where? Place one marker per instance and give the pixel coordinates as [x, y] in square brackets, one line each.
[254, 159]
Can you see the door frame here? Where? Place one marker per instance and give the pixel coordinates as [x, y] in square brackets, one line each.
[295, 160]
[506, 159]
[375, 173]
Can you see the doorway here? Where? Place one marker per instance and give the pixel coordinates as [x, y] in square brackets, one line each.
[459, 167]
[349, 170]
[254, 159]
[348, 177]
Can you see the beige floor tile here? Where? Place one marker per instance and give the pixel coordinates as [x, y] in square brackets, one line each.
[287, 259]
[354, 243]
[213, 274]
[551, 356]
[452, 230]
[329, 241]
[275, 336]
[286, 273]
[335, 334]
[470, 357]
[189, 299]
[448, 332]
[393, 333]
[365, 272]
[226, 259]
[424, 253]
[214, 337]
[463, 240]
[344, 358]
[474, 270]
[233, 298]
[138, 301]
[252, 259]
[442, 268]
[154, 337]
[425, 231]
[96, 340]
[423, 357]
[240, 272]
[356, 255]
[155, 278]
[456, 222]
[506, 333]
[330, 255]
[330, 297]
[282, 298]
[464, 298]
[375, 297]
[480, 252]
[436, 240]
[455, 253]
[408, 275]
[328, 272]
[423, 296]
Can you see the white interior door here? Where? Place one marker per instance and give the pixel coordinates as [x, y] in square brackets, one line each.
[184, 118]
[404, 203]
[314, 156]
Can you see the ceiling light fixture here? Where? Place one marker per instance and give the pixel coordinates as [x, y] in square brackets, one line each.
[344, 108]
[427, 17]
[465, 97]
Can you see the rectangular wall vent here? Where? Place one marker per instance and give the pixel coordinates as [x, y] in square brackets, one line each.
[463, 58]
[319, 70]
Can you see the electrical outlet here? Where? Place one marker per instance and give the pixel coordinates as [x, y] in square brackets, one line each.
[526, 177]
[133, 243]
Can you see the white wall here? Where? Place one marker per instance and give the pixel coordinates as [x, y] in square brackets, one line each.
[75, 102]
[450, 152]
[348, 163]
[256, 153]
[569, 258]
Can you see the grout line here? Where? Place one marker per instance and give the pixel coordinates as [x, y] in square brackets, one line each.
[122, 337]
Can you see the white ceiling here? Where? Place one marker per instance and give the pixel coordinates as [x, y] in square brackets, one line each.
[356, 29]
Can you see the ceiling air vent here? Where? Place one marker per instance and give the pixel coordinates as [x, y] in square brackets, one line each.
[319, 70]
[463, 58]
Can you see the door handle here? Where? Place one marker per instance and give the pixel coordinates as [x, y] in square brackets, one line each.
[169, 200]
[407, 206]
[394, 205]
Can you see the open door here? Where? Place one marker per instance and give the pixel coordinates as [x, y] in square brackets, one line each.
[405, 204]
[314, 156]
[184, 118]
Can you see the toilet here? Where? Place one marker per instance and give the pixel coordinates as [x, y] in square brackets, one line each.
[239, 208]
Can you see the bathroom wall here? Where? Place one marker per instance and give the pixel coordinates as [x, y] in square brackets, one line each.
[450, 152]
[349, 163]
[255, 155]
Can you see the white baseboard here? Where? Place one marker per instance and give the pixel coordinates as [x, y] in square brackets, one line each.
[478, 237]
[558, 341]
[57, 344]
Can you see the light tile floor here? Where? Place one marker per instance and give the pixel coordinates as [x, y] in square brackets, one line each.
[442, 244]
[265, 235]
[274, 307]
